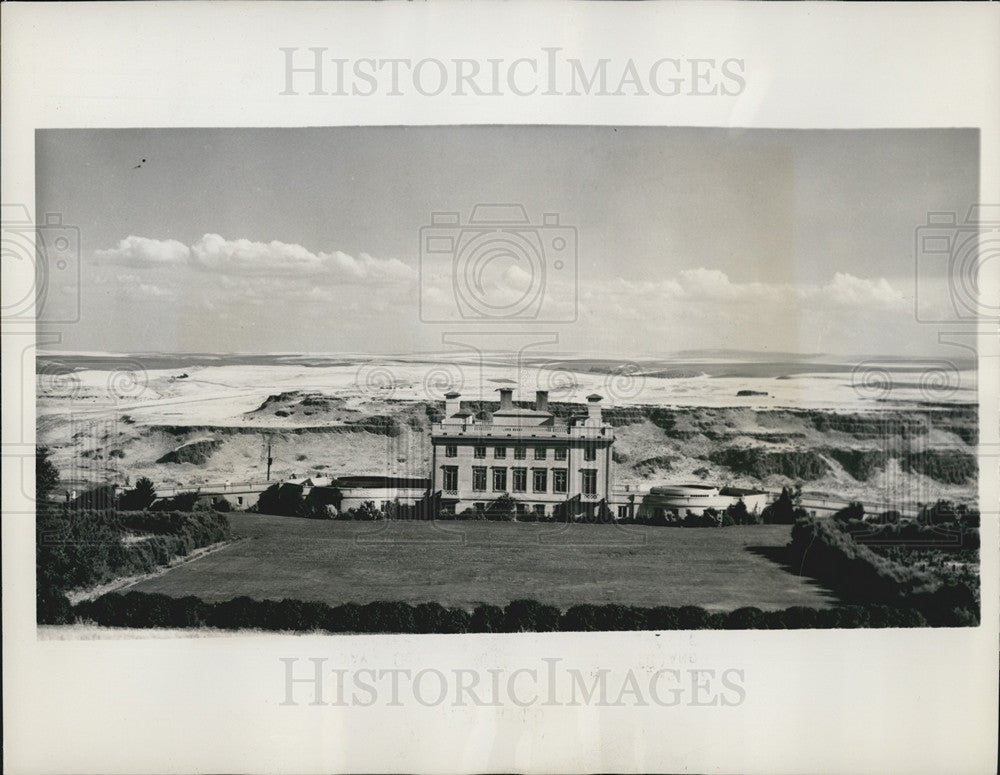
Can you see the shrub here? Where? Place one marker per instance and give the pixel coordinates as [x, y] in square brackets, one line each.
[429, 617]
[748, 618]
[784, 510]
[239, 613]
[487, 618]
[139, 497]
[502, 509]
[52, 607]
[691, 617]
[798, 618]
[530, 616]
[456, 620]
[663, 618]
[183, 501]
[387, 616]
[854, 511]
[345, 618]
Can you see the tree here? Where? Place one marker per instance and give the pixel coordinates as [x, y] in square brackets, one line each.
[502, 509]
[785, 510]
[46, 476]
[139, 497]
[851, 513]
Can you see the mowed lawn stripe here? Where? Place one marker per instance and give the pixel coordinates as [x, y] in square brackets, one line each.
[467, 563]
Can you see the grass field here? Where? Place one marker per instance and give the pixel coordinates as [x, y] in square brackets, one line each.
[466, 563]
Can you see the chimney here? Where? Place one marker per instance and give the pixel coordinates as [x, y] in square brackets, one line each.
[541, 400]
[594, 409]
[452, 403]
[506, 398]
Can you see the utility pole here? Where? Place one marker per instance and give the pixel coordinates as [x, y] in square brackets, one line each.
[267, 446]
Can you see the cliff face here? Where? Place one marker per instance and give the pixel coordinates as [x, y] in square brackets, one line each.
[918, 454]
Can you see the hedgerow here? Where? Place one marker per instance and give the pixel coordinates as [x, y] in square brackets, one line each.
[83, 548]
[825, 550]
[138, 609]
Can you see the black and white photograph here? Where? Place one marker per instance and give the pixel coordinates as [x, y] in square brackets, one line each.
[556, 378]
[450, 387]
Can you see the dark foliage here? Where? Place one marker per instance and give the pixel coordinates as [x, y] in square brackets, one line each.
[826, 550]
[802, 465]
[137, 609]
[530, 616]
[487, 618]
[950, 467]
[785, 510]
[83, 548]
[139, 497]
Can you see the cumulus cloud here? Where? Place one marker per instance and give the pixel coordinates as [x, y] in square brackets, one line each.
[142, 252]
[216, 254]
[846, 290]
[713, 284]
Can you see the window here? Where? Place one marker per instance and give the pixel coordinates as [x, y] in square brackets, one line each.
[539, 479]
[520, 508]
[500, 452]
[239, 500]
[519, 477]
[590, 453]
[451, 451]
[479, 506]
[539, 509]
[559, 480]
[499, 480]
[479, 452]
[479, 478]
[589, 481]
[559, 454]
[449, 478]
[539, 453]
[520, 453]
[622, 512]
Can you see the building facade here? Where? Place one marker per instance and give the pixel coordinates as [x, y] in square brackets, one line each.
[549, 466]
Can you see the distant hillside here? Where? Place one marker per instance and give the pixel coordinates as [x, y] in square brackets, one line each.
[903, 453]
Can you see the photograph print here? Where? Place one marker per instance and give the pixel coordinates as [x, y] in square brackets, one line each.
[477, 379]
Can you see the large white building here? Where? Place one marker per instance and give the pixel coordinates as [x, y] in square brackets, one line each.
[549, 465]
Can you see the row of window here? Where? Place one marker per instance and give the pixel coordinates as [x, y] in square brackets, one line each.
[538, 509]
[521, 453]
[519, 479]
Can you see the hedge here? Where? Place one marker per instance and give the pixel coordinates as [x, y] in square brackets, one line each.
[83, 548]
[138, 609]
[824, 550]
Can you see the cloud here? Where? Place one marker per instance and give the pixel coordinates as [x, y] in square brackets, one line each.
[846, 290]
[142, 252]
[215, 254]
[701, 284]
[130, 287]
[713, 284]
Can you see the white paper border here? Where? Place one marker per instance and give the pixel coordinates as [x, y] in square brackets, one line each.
[817, 701]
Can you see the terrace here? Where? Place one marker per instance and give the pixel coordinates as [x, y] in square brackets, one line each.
[497, 430]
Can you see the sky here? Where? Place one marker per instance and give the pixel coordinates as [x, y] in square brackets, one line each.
[656, 239]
